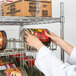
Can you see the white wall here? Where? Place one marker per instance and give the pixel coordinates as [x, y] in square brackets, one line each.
[70, 23]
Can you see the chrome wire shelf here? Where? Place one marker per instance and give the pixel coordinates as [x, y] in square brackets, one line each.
[6, 53]
[13, 20]
[11, 53]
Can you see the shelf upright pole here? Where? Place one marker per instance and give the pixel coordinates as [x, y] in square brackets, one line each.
[21, 61]
[62, 27]
[19, 43]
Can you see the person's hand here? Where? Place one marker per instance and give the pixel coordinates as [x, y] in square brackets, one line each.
[33, 41]
[55, 39]
[63, 44]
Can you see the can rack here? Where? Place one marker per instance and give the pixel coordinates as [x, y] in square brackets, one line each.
[23, 21]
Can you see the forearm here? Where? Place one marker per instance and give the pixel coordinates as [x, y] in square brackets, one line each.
[39, 46]
[65, 46]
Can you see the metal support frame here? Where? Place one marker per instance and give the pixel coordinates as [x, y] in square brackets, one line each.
[62, 27]
[23, 21]
[21, 61]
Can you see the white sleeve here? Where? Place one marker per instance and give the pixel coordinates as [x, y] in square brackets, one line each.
[47, 63]
[72, 58]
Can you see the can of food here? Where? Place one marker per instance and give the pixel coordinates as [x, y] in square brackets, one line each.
[39, 33]
[3, 40]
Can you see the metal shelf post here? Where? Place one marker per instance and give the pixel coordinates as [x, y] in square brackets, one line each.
[62, 27]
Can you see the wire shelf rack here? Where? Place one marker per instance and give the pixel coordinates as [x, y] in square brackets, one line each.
[13, 20]
[8, 20]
